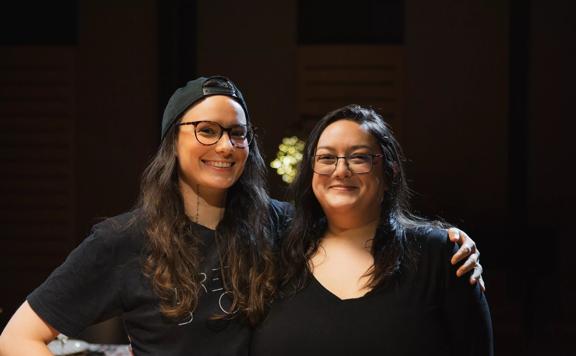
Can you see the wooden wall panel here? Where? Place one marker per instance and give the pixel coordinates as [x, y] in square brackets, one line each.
[331, 76]
[37, 184]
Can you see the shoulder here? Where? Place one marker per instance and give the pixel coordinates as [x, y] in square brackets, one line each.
[281, 215]
[90, 284]
[121, 232]
[432, 242]
[121, 222]
[281, 212]
[281, 208]
[429, 236]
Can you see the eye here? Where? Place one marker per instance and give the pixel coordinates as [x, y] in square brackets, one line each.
[359, 158]
[326, 159]
[207, 132]
[206, 129]
[238, 132]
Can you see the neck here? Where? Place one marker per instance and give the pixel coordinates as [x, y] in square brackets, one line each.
[350, 218]
[359, 235]
[203, 206]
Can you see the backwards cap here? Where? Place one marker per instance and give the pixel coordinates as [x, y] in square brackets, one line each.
[195, 90]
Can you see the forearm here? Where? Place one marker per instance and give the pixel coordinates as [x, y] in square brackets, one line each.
[14, 346]
[473, 336]
[468, 316]
[466, 313]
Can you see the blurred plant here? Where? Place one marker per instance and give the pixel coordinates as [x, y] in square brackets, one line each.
[287, 158]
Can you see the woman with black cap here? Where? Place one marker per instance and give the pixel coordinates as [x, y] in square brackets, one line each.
[191, 269]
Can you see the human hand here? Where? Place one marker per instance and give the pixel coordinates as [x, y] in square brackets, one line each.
[467, 249]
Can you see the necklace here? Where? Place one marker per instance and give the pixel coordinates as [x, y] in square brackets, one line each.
[196, 218]
[197, 204]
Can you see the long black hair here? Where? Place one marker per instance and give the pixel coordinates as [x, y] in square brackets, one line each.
[391, 248]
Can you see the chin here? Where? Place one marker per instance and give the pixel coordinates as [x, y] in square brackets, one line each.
[221, 183]
[340, 204]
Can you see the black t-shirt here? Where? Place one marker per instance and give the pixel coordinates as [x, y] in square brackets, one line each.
[103, 277]
[430, 312]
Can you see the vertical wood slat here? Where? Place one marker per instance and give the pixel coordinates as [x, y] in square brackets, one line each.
[331, 76]
[37, 112]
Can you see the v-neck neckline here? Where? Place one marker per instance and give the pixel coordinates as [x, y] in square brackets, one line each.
[327, 292]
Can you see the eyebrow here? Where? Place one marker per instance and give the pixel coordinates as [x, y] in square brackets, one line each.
[182, 121]
[355, 147]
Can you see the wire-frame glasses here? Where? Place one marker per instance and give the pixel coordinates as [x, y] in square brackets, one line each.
[358, 163]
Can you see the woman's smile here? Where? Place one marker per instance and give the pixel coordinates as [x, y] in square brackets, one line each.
[218, 164]
[344, 191]
[343, 187]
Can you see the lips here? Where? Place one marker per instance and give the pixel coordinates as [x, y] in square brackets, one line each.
[342, 187]
[219, 164]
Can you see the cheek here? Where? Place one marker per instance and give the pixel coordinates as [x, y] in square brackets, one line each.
[184, 146]
[314, 184]
[243, 158]
[317, 187]
[374, 184]
[185, 153]
[188, 156]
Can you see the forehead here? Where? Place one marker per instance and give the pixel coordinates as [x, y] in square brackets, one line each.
[345, 134]
[218, 108]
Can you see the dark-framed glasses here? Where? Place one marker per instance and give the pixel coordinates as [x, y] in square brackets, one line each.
[210, 132]
[358, 163]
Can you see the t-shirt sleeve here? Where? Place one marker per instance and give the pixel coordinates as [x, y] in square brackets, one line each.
[466, 311]
[84, 289]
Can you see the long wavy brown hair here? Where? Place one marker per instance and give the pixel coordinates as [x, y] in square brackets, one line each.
[242, 236]
[391, 248]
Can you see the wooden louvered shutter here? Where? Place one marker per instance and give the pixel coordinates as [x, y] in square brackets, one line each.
[37, 119]
[331, 76]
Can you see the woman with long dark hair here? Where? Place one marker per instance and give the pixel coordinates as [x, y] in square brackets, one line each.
[361, 274]
[191, 269]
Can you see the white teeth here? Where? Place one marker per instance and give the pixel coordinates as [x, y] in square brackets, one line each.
[219, 164]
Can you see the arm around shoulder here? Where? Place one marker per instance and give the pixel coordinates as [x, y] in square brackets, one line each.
[26, 334]
[467, 313]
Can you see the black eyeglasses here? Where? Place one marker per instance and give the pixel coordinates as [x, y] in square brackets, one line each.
[358, 163]
[210, 132]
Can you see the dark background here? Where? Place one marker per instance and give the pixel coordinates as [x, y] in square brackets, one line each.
[487, 124]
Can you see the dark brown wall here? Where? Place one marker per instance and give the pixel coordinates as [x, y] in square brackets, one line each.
[455, 129]
[117, 115]
[258, 51]
[90, 110]
[550, 175]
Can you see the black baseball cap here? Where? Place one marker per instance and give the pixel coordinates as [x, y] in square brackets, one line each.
[195, 90]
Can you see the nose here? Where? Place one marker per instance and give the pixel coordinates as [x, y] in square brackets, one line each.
[224, 145]
[342, 169]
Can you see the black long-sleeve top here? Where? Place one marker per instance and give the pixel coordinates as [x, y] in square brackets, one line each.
[429, 312]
